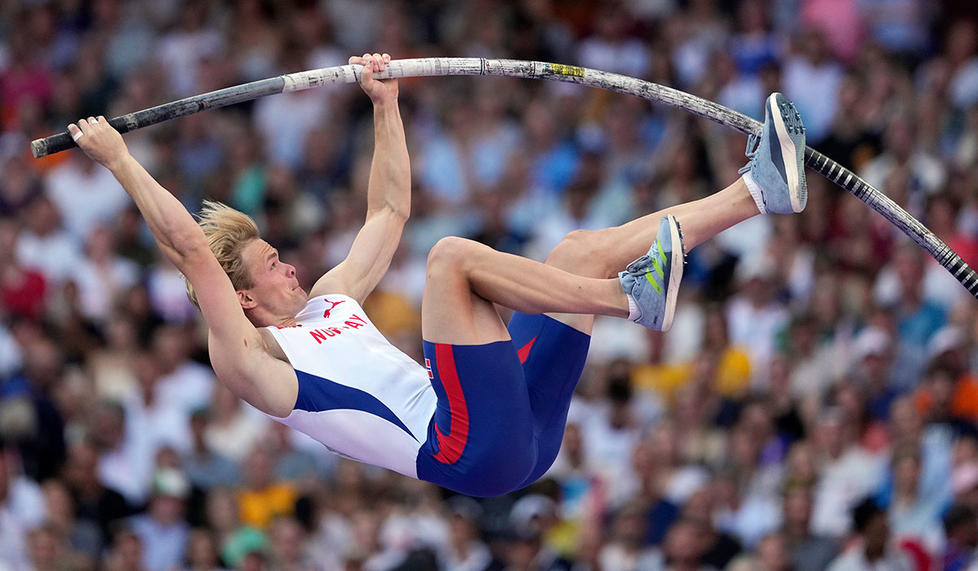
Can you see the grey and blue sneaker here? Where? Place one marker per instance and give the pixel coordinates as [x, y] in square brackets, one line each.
[652, 281]
[775, 174]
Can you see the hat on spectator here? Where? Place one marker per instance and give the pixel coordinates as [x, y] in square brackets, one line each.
[465, 508]
[528, 510]
[871, 341]
[946, 339]
[755, 267]
[964, 478]
[171, 483]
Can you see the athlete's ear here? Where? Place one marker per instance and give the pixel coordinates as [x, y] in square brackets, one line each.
[245, 299]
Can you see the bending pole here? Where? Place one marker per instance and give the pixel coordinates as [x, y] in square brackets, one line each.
[427, 67]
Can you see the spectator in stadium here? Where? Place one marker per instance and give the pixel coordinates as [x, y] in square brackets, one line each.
[870, 546]
[961, 529]
[891, 83]
[162, 529]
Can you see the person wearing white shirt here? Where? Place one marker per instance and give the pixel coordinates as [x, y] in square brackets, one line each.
[872, 551]
[86, 194]
[44, 245]
[21, 509]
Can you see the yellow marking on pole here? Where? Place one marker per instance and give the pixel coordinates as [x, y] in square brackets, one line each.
[561, 69]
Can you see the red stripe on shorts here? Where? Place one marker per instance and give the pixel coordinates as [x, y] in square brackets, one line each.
[450, 447]
[524, 351]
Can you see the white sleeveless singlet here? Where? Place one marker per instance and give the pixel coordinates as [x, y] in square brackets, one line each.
[359, 396]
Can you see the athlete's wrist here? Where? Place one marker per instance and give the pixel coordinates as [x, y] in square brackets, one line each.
[385, 103]
[118, 162]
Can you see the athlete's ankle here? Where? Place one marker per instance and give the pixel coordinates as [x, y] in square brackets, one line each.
[634, 313]
[755, 192]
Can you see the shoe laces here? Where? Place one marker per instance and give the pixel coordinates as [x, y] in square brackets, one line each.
[750, 152]
[638, 266]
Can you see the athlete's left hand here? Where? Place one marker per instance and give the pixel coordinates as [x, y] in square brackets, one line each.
[100, 141]
[379, 90]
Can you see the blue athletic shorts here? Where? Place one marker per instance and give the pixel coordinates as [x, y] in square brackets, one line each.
[501, 406]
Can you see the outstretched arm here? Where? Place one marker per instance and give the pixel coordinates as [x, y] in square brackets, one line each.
[237, 350]
[176, 232]
[388, 193]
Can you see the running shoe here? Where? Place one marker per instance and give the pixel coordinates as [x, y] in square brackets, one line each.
[775, 174]
[652, 281]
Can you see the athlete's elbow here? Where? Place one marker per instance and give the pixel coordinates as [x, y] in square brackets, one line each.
[189, 244]
[393, 211]
[402, 208]
[398, 207]
[402, 214]
[187, 255]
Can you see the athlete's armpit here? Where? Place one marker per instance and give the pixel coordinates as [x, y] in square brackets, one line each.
[250, 367]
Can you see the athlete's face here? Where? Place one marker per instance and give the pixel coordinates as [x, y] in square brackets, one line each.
[275, 287]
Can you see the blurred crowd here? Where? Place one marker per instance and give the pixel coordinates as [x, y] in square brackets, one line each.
[813, 407]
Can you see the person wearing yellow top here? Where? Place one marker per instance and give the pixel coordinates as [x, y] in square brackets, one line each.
[727, 368]
[262, 499]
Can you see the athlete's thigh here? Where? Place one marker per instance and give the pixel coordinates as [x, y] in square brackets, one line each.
[450, 311]
[481, 438]
[552, 354]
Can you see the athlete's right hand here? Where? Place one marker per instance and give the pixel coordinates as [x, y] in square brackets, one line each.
[100, 141]
[379, 90]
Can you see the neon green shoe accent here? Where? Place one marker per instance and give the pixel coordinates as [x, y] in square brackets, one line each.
[655, 284]
[656, 266]
[662, 260]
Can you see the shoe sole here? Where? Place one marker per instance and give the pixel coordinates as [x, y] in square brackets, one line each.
[675, 273]
[795, 170]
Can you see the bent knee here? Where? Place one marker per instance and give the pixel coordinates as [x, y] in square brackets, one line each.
[451, 252]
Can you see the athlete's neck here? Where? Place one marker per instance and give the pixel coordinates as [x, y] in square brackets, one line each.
[260, 317]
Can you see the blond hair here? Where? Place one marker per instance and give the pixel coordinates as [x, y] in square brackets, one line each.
[227, 231]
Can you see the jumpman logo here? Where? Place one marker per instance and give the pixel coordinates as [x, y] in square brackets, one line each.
[330, 308]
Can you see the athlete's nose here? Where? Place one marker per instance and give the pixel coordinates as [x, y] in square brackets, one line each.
[290, 270]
